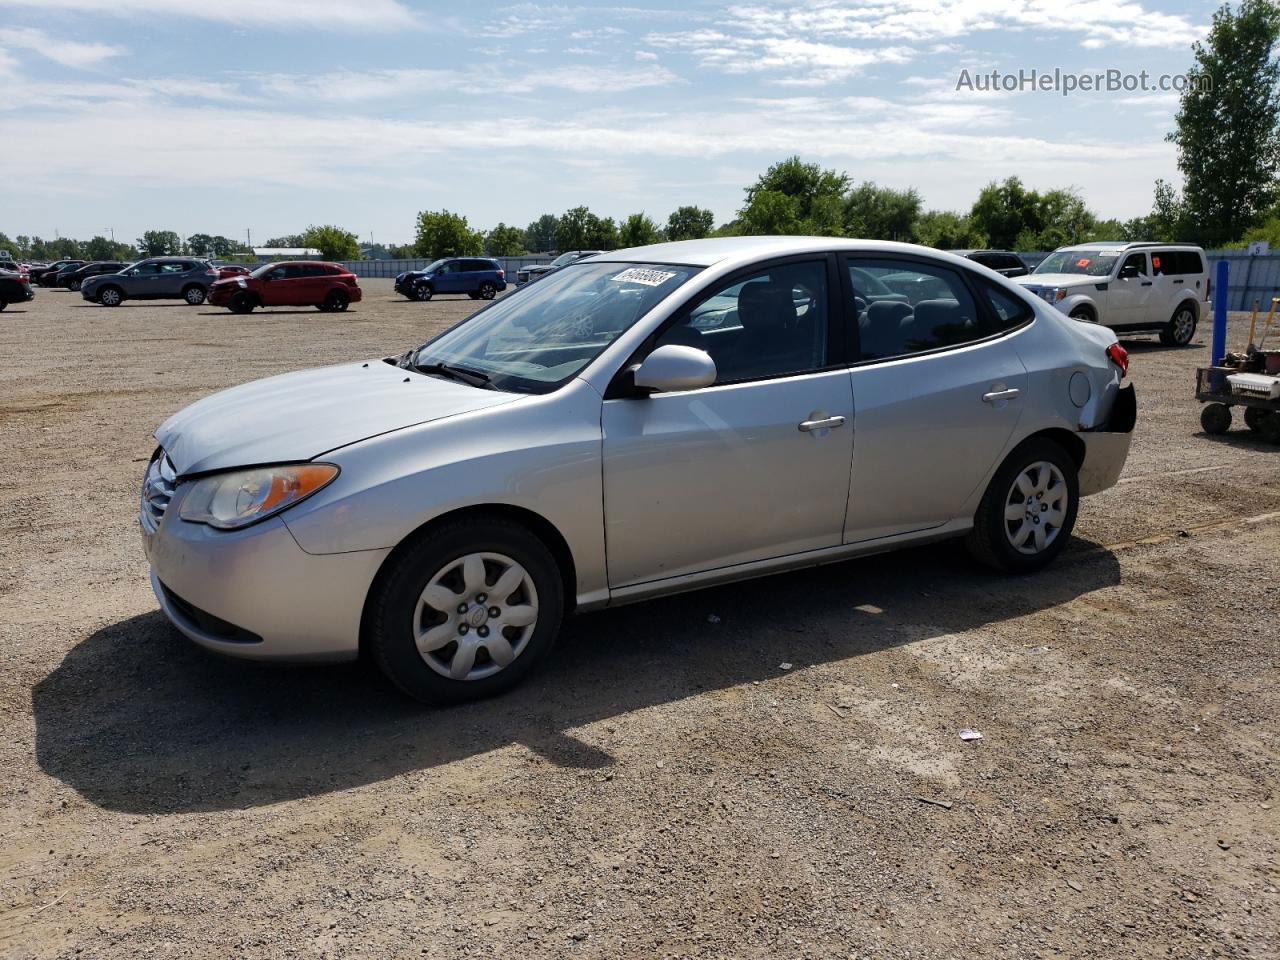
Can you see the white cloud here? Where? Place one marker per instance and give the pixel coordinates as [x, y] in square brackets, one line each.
[802, 60]
[646, 56]
[291, 15]
[68, 53]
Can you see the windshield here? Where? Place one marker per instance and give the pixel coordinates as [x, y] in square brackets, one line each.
[431, 267]
[534, 340]
[1090, 263]
[565, 259]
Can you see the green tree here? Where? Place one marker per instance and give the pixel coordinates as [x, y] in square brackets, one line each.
[504, 241]
[602, 234]
[9, 246]
[1005, 211]
[334, 243]
[638, 231]
[809, 185]
[157, 243]
[401, 251]
[690, 223]
[540, 235]
[288, 240]
[1228, 126]
[769, 213]
[211, 246]
[445, 234]
[881, 213]
[571, 229]
[945, 230]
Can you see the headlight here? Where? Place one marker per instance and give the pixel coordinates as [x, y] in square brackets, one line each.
[1059, 294]
[242, 283]
[233, 500]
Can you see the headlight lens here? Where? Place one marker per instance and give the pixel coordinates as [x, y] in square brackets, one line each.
[229, 501]
[1059, 294]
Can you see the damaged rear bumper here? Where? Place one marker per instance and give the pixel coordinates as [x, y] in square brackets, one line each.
[1107, 447]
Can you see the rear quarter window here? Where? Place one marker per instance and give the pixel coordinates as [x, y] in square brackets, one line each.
[1007, 311]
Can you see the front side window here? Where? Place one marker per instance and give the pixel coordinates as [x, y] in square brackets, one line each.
[550, 332]
[1136, 261]
[1089, 263]
[906, 307]
[770, 324]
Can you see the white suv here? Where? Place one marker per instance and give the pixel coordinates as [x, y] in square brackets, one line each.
[1130, 287]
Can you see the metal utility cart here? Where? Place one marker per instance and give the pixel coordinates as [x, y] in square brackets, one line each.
[1222, 388]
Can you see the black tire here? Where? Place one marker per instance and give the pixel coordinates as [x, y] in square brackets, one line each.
[111, 296]
[1084, 315]
[335, 301]
[424, 292]
[1216, 418]
[395, 602]
[1254, 417]
[474, 296]
[3, 303]
[1181, 328]
[74, 286]
[194, 295]
[1270, 431]
[991, 541]
[243, 302]
[488, 291]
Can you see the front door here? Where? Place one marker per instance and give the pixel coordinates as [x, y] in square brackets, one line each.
[753, 467]
[937, 392]
[282, 285]
[1129, 298]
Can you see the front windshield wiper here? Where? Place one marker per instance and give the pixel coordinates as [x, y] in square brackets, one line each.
[457, 373]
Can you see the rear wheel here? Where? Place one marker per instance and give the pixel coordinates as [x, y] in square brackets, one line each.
[1180, 328]
[74, 286]
[466, 612]
[243, 302]
[193, 295]
[1255, 417]
[110, 296]
[1216, 418]
[1270, 431]
[488, 291]
[3, 303]
[424, 291]
[1029, 510]
[335, 301]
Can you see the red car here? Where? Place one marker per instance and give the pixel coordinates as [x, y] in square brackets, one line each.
[325, 286]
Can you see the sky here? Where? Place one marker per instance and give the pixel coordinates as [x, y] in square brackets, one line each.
[229, 116]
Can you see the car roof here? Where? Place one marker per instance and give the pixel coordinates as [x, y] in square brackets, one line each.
[1122, 245]
[720, 250]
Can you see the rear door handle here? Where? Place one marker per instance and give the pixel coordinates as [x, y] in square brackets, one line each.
[997, 395]
[825, 423]
[1146, 283]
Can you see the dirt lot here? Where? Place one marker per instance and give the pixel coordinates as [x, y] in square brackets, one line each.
[785, 782]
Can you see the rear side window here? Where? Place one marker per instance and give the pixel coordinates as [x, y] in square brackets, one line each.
[1006, 309]
[908, 307]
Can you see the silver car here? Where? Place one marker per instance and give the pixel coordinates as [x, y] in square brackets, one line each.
[157, 278]
[640, 423]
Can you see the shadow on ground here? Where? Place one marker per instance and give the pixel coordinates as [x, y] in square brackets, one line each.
[137, 719]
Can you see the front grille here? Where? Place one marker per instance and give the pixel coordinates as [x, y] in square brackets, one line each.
[157, 490]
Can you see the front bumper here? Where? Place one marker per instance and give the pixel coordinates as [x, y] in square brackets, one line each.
[256, 594]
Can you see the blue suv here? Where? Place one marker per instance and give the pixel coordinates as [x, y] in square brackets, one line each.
[480, 279]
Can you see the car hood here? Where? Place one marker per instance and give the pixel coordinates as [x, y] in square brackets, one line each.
[298, 416]
[1058, 280]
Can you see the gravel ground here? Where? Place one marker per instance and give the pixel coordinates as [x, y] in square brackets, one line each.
[786, 781]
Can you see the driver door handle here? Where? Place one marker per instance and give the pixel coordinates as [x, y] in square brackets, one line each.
[826, 422]
[996, 395]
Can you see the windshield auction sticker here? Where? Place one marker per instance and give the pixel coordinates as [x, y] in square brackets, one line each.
[650, 278]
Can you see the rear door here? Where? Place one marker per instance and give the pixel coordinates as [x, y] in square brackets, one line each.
[937, 393]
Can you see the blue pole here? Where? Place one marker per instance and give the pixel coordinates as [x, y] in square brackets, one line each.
[1220, 315]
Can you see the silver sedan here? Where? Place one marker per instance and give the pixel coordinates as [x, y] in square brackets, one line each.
[636, 424]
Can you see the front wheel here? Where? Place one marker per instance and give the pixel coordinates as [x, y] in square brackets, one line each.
[243, 302]
[424, 291]
[110, 296]
[1029, 510]
[488, 291]
[1180, 328]
[1083, 314]
[3, 303]
[467, 611]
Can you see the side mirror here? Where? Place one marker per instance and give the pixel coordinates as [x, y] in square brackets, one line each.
[673, 368]
[1128, 273]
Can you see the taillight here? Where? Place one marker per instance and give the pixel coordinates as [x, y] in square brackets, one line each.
[502, 274]
[1119, 356]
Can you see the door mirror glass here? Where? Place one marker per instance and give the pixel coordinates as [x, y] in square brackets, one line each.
[1128, 273]
[673, 368]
